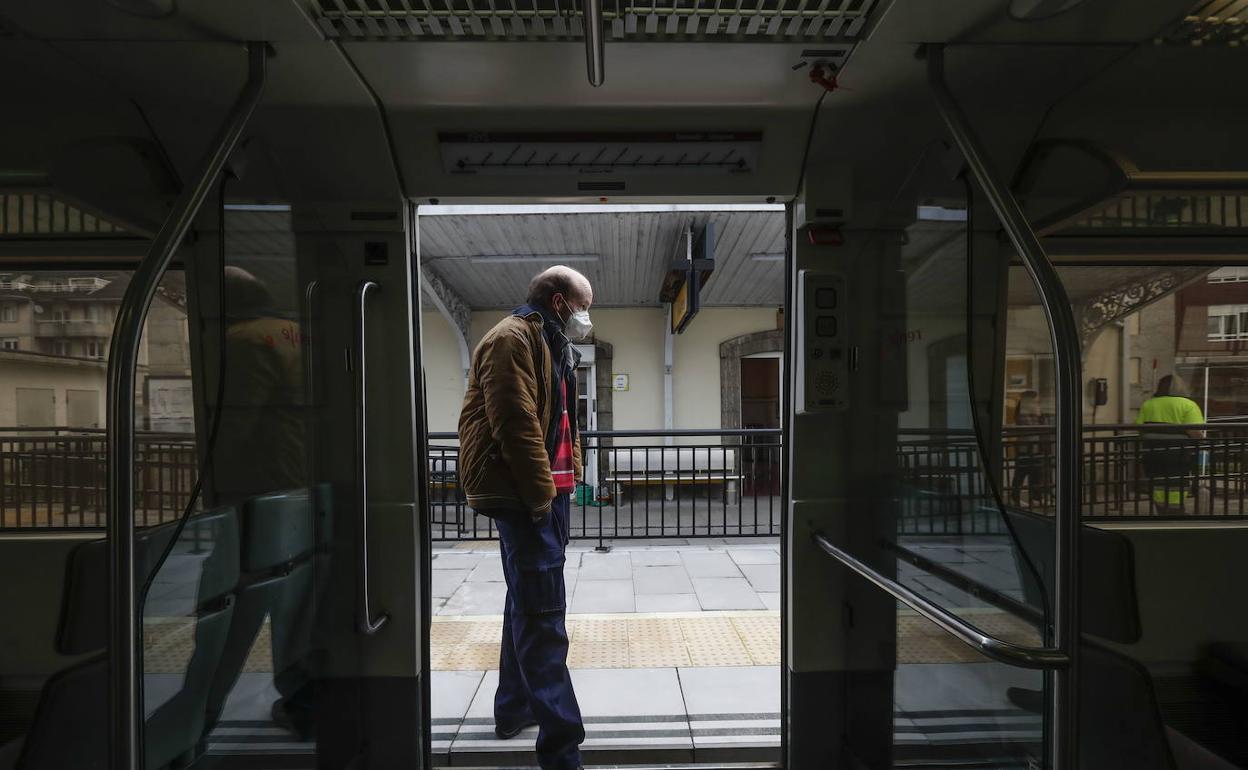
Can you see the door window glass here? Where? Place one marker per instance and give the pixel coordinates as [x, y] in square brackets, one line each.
[54, 476]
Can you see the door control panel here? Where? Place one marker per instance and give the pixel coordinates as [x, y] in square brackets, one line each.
[822, 342]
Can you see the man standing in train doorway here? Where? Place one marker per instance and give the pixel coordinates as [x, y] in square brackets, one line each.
[519, 461]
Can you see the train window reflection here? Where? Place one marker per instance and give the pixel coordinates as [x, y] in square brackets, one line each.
[56, 327]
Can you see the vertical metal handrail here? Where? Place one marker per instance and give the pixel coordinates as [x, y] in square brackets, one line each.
[1064, 706]
[594, 54]
[125, 694]
[366, 623]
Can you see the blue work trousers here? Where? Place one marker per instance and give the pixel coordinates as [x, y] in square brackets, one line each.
[533, 679]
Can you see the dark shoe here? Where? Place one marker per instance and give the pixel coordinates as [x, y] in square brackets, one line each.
[507, 733]
[1025, 699]
[291, 719]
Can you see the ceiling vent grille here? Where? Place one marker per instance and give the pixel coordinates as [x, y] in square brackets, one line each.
[759, 21]
[34, 214]
[1211, 22]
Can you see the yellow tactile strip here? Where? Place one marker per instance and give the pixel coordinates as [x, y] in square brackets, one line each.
[709, 639]
[169, 642]
[921, 641]
[623, 641]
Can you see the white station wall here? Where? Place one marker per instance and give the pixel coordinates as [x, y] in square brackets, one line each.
[636, 337]
[695, 370]
[444, 379]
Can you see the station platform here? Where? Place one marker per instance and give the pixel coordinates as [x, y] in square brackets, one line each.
[672, 715]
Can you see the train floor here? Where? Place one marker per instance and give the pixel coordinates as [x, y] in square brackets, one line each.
[673, 715]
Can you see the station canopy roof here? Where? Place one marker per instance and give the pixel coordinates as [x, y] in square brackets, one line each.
[487, 255]
[489, 258]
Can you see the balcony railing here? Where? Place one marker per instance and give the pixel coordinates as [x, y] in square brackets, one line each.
[79, 327]
[698, 483]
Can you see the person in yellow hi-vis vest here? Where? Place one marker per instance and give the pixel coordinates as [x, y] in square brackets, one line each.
[1170, 454]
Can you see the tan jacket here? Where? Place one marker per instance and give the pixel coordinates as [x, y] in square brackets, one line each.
[506, 418]
[261, 446]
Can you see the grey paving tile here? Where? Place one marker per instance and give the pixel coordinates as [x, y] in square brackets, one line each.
[488, 571]
[743, 556]
[709, 564]
[611, 701]
[946, 595]
[951, 686]
[476, 599]
[606, 566]
[763, 577]
[483, 702]
[770, 600]
[661, 580]
[731, 689]
[251, 699]
[668, 603]
[452, 692]
[457, 560]
[950, 557]
[726, 594]
[656, 558]
[645, 544]
[445, 581]
[594, 596]
[628, 692]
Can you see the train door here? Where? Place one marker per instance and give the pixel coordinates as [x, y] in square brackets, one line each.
[280, 615]
[928, 623]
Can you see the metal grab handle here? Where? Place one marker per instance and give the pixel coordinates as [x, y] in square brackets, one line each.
[305, 337]
[365, 622]
[1064, 707]
[125, 686]
[1044, 658]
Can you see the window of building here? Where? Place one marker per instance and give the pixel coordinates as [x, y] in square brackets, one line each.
[61, 348]
[1228, 322]
[95, 349]
[60, 314]
[9, 343]
[93, 312]
[1229, 275]
[8, 312]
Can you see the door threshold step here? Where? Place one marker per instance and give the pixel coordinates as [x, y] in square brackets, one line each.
[644, 766]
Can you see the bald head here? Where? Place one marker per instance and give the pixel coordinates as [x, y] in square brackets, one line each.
[244, 293]
[563, 286]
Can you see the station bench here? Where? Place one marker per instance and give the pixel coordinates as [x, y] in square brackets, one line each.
[673, 466]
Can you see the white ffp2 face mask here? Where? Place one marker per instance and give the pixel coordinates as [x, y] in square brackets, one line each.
[578, 326]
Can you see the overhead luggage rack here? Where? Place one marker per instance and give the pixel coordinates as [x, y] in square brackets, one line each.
[743, 21]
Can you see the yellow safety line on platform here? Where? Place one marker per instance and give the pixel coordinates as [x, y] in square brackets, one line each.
[656, 640]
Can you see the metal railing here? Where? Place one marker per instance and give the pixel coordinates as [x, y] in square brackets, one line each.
[712, 483]
[1129, 472]
[55, 478]
[643, 484]
[693, 484]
